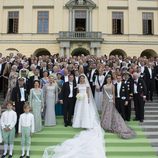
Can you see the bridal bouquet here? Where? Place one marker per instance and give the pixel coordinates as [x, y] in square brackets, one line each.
[80, 96]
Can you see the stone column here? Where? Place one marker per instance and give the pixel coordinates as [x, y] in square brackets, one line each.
[68, 52]
[98, 52]
[61, 51]
[90, 20]
[73, 20]
[70, 19]
[92, 51]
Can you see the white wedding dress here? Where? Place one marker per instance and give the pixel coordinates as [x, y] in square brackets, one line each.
[83, 114]
[89, 143]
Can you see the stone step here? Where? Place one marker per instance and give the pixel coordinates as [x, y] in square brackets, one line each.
[152, 136]
[153, 140]
[151, 117]
[151, 108]
[155, 107]
[150, 128]
[154, 144]
[150, 122]
[155, 97]
[148, 112]
[151, 103]
[151, 112]
[154, 101]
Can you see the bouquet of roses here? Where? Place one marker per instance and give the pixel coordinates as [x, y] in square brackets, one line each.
[79, 96]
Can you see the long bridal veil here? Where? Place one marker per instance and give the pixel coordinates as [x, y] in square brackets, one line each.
[89, 143]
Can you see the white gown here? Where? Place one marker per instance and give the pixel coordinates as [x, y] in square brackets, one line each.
[83, 113]
[89, 143]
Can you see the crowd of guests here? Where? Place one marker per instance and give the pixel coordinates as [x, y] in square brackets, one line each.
[38, 81]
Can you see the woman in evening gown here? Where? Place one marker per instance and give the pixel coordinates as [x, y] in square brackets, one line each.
[12, 81]
[37, 104]
[50, 91]
[111, 120]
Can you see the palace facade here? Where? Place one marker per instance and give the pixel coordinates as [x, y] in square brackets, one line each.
[71, 27]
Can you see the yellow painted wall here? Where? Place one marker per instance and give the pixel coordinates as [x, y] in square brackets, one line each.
[28, 41]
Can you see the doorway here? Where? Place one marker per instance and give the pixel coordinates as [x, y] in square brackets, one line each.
[80, 51]
[80, 21]
[80, 25]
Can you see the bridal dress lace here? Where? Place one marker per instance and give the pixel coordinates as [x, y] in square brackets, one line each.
[83, 117]
[87, 144]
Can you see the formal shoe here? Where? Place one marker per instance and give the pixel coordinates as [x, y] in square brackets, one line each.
[10, 156]
[135, 119]
[27, 156]
[3, 156]
[70, 124]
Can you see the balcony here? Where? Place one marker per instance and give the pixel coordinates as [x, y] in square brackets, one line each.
[80, 36]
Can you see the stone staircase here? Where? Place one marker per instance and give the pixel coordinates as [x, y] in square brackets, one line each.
[115, 147]
[150, 125]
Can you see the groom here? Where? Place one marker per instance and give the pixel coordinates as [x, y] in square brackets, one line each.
[68, 99]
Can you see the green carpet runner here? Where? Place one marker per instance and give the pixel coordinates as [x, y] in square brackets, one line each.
[115, 147]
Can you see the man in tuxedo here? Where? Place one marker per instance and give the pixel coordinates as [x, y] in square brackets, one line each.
[42, 69]
[19, 97]
[68, 99]
[156, 75]
[127, 78]
[107, 72]
[65, 77]
[121, 96]
[149, 80]
[139, 96]
[76, 75]
[92, 76]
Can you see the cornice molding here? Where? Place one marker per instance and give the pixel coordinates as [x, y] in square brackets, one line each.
[147, 8]
[117, 7]
[43, 7]
[13, 7]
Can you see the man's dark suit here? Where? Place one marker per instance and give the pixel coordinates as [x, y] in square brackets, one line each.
[68, 102]
[16, 98]
[139, 101]
[120, 101]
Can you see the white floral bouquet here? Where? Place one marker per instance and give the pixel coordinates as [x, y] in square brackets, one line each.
[79, 96]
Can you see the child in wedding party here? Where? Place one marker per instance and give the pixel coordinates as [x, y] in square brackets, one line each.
[8, 122]
[26, 128]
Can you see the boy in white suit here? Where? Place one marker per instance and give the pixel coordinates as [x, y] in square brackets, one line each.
[26, 128]
[8, 122]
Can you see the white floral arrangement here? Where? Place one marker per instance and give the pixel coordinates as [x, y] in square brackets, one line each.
[80, 96]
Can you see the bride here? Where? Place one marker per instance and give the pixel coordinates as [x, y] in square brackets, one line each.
[85, 116]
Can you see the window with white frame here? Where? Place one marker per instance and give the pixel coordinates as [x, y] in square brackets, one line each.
[43, 22]
[117, 22]
[148, 23]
